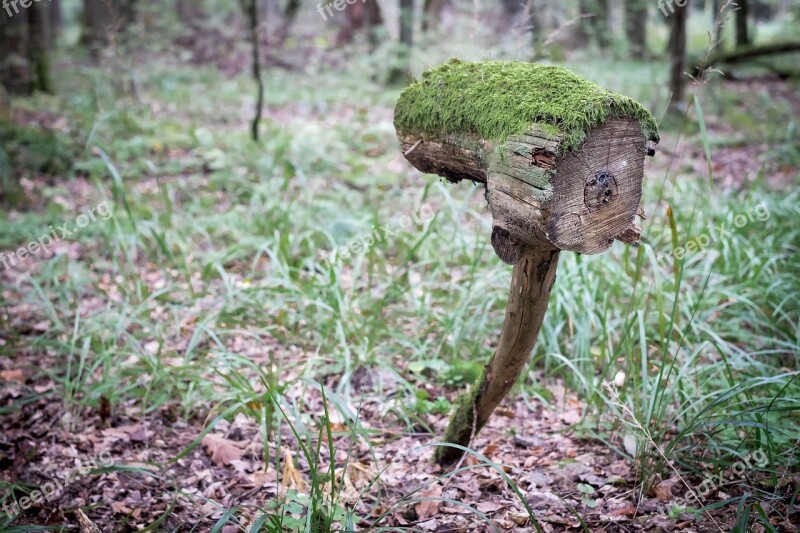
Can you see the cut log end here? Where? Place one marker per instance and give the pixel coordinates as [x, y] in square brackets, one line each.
[597, 188]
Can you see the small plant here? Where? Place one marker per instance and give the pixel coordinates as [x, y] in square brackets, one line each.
[586, 493]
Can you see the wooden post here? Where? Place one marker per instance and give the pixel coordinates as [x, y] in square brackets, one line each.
[562, 163]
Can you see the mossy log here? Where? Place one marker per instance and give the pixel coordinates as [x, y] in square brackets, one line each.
[561, 157]
[562, 162]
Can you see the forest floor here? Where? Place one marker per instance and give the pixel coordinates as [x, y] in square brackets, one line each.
[188, 337]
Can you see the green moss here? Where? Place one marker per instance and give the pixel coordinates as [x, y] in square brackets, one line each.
[498, 99]
[459, 428]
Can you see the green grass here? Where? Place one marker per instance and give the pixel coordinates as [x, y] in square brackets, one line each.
[229, 240]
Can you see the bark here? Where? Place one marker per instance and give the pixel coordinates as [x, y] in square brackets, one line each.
[636, 27]
[360, 15]
[750, 53]
[432, 14]
[103, 20]
[594, 23]
[677, 55]
[38, 25]
[532, 12]
[581, 34]
[407, 22]
[372, 20]
[762, 10]
[511, 8]
[532, 279]
[253, 20]
[742, 36]
[24, 36]
[593, 192]
[402, 70]
[601, 23]
[55, 20]
[289, 17]
[189, 11]
[128, 12]
[98, 25]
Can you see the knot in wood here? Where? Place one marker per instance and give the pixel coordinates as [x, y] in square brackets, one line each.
[600, 189]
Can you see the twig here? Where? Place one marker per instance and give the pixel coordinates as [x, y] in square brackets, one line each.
[413, 148]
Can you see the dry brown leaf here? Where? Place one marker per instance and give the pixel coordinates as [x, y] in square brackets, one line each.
[663, 491]
[573, 416]
[291, 476]
[518, 517]
[429, 506]
[488, 507]
[12, 375]
[490, 449]
[221, 450]
[626, 510]
[121, 508]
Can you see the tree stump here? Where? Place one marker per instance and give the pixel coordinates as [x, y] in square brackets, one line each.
[562, 161]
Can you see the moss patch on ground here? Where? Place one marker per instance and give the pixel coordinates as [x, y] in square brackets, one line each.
[498, 99]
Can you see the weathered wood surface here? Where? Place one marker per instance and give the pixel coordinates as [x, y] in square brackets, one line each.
[541, 200]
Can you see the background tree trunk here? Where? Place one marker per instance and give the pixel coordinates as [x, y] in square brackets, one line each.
[24, 38]
[356, 16]
[55, 19]
[594, 23]
[188, 10]
[39, 33]
[511, 8]
[373, 19]
[432, 14]
[601, 22]
[762, 10]
[582, 27]
[742, 37]
[251, 10]
[402, 70]
[636, 27]
[98, 25]
[289, 16]
[677, 55]
[103, 20]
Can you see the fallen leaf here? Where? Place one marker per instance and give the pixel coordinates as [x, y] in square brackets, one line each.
[518, 517]
[121, 508]
[12, 375]
[429, 506]
[489, 507]
[490, 449]
[221, 450]
[663, 491]
[291, 476]
[627, 510]
[573, 416]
